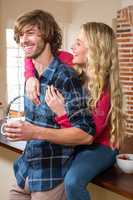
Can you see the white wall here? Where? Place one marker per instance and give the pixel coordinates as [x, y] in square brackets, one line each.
[102, 11]
[125, 3]
[12, 8]
[92, 10]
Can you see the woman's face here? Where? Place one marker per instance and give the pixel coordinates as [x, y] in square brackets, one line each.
[79, 49]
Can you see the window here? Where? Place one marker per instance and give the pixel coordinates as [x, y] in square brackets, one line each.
[15, 71]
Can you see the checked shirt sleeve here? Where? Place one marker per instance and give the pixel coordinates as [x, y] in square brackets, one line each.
[76, 106]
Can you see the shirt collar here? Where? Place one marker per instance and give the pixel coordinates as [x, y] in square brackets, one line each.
[50, 70]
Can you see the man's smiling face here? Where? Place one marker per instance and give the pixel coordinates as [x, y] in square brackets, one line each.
[31, 41]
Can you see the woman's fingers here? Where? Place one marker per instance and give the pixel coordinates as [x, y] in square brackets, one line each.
[49, 93]
[32, 89]
[38, 88]
[53, 95]
[35, 97]
[60, 95]
[55, 100]
[53, 91]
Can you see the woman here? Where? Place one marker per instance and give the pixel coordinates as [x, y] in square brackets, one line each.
[95, 54]
[100, 63]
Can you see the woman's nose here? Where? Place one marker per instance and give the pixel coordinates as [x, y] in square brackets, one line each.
[72, 47]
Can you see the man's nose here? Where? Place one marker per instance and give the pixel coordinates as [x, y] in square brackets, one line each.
[24, 37]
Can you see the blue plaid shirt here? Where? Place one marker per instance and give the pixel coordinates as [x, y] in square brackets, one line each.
[45, 163]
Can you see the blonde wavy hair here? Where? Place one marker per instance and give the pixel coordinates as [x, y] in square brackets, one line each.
[103, 72]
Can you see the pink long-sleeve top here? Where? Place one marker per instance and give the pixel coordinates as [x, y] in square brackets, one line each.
[100, 115]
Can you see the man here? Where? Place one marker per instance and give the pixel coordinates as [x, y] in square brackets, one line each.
[40, 170]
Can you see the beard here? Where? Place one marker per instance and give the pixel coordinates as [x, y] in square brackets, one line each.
[38, 51]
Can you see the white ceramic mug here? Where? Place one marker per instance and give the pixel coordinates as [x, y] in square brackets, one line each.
[10, 120]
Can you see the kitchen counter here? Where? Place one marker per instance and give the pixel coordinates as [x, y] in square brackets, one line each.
[15, 146]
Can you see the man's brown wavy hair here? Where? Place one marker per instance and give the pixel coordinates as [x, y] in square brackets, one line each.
[50, 30]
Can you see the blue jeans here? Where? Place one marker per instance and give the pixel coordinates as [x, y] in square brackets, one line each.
[88, 162]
